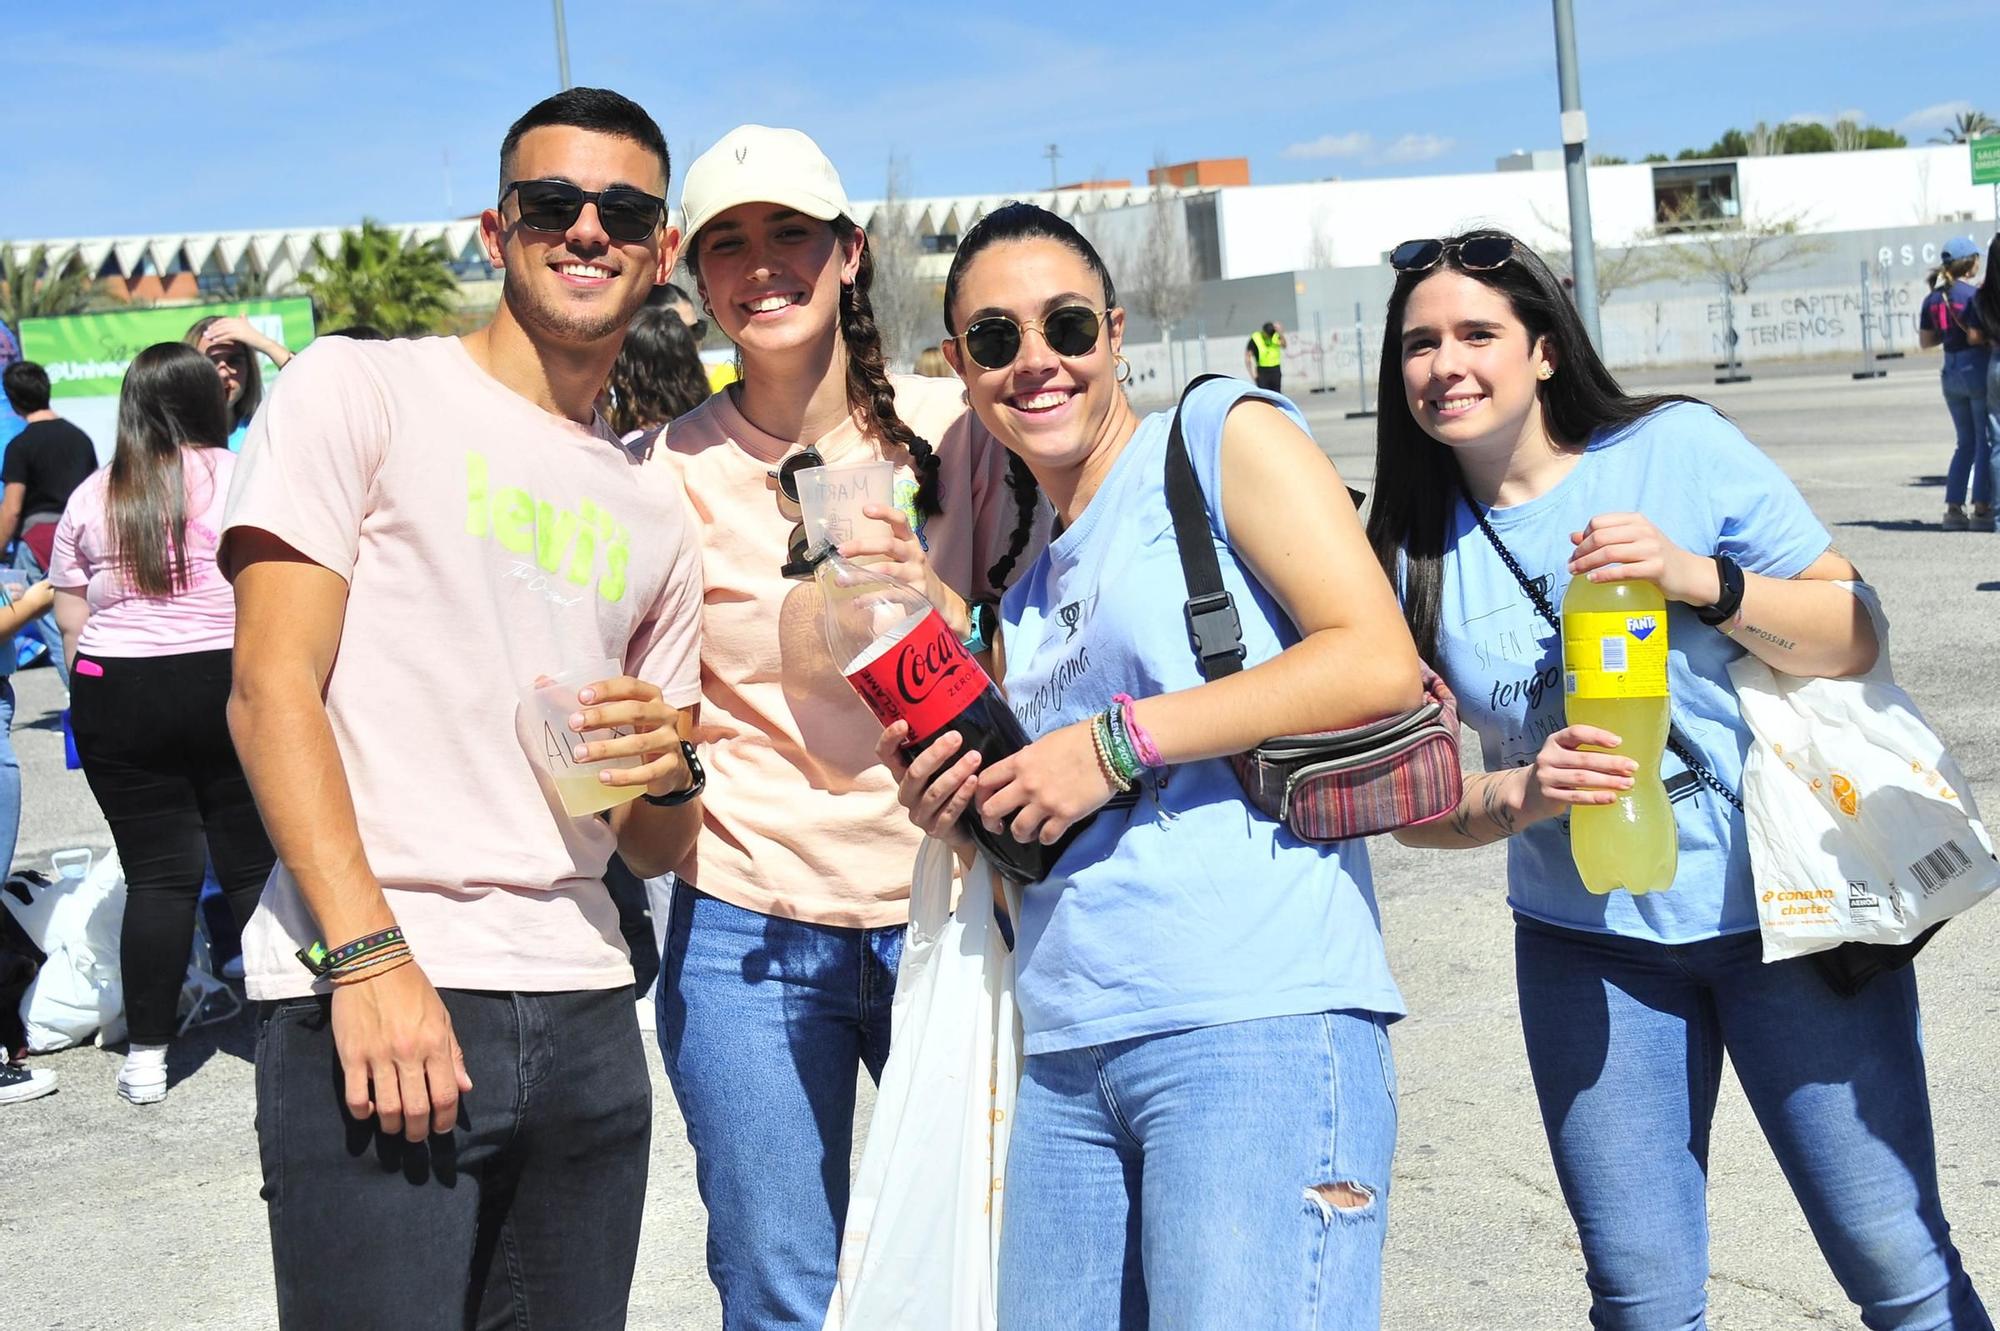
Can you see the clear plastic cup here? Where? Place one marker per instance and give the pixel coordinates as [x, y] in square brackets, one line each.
[831, 500]
[546, 707]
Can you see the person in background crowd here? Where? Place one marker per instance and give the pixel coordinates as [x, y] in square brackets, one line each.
[453, 1108]
[232, 344]
[16, 611]
[10, 352]
[43, 466]
[787, 925]
[149, 623]
[658, 374]
[669, 295]
[1982, 317]
[1207, 1106]
[1946, 319]
[1509, 461]
[932, 364]
[1264, 357]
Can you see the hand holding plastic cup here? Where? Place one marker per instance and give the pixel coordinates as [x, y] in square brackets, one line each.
[546, 707]
[831, 500]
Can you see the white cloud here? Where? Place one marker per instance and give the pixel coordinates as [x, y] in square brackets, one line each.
[1858, 116]
[1333, 145]
[1416, 148]
[1934, 117]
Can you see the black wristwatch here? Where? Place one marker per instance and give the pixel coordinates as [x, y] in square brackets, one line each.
[1731, 600]
[697, 778]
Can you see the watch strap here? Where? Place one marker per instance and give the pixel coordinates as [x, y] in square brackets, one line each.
[698, 779]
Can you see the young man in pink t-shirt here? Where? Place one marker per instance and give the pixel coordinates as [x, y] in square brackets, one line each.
[453, 1107]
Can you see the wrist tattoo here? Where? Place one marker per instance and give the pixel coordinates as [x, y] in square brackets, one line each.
[1496, 809]
[1785, 643]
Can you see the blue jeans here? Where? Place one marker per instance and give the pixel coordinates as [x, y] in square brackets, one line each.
[1964, 381]
[10, 779]
[1993, 419]
[1626, 1040]
[1223, 1177]
[45, 624]
[764, 1026]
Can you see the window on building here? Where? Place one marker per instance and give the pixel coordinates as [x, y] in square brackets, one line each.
[1696, 196]
[944, 242]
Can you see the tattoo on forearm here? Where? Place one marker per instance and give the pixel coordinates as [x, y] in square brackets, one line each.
[1785, 643]
[1497, 811]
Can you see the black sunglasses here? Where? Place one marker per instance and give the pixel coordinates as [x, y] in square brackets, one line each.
[626, 214]
[798, 546]
[1475, 253]
[993, 340]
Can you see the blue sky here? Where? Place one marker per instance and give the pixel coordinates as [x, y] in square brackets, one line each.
[202, 115]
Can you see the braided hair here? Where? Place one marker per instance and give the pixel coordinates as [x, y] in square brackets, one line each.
[1020, 221]
[869, 391]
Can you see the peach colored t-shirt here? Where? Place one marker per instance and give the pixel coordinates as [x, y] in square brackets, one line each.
[484, 542]
[799, 819]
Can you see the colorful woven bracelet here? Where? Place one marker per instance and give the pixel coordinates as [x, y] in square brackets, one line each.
[373, 969]
[369, 962]
[318, 958]
[1123, 755]
[1100, 736]
[1142, 742]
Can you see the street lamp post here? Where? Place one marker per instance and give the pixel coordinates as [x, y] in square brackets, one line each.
[1582, 247]
[562, 46]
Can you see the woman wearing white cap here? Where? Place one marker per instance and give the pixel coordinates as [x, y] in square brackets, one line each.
[1947, 319]
[783, 942]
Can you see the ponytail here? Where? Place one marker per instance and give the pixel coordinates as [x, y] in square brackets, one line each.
[869, 391]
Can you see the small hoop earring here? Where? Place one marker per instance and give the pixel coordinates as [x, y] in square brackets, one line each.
[1123, 372]
[965, 397]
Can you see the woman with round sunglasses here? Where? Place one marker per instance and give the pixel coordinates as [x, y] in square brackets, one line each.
[1508, 462]
[786, 928]
[1207, 1107]
[232, 345]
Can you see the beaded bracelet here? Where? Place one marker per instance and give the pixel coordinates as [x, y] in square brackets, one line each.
[1142, 742]
[1121, 766]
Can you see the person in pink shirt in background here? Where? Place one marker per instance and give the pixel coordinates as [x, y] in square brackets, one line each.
[148, 623]
[787, 926]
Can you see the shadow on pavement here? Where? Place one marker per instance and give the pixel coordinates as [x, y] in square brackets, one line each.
[1891, 524]
[1987, 587]
[1926, 482]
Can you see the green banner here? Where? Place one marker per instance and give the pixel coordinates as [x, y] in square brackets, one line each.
[1986, 160]
[86, 354]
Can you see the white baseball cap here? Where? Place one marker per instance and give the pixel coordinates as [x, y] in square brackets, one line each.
[758, 164]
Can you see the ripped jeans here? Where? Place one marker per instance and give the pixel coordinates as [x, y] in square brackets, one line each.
[1224, 1177]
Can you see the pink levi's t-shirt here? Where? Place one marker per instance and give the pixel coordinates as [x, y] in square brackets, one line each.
[799, 819]
[200, 617]
[484, 542]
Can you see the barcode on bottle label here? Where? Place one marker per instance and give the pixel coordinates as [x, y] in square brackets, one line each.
[1942, 865]
[1611, 655]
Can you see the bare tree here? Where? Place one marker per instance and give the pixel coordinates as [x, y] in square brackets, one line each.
[1163, 274]
[1734, 255]
[905, 301]
[1319, 241]
[1635, 264]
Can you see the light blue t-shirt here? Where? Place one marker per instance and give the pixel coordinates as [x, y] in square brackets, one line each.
[1190, 909]
[1710, 491]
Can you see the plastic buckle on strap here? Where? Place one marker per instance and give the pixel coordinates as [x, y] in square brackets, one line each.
[1214, 628]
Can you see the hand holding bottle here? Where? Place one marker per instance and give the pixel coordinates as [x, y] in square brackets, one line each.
[1046, 788]
[1627, 547]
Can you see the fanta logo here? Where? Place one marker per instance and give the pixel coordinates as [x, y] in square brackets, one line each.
[1641, 626]
[581, 547]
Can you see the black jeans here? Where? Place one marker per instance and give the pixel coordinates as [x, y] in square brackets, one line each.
[524, 1215]
[154, 740]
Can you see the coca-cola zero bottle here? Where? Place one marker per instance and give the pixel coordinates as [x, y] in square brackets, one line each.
[899, 655]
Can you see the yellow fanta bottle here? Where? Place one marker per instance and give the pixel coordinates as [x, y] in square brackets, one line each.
[1615, 676]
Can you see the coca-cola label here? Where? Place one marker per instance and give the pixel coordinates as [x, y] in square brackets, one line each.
[925, 679]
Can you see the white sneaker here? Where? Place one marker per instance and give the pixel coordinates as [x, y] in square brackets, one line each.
[143, 1079]
[18, 1083]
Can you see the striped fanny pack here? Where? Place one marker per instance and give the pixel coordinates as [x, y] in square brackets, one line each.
[1335, 784]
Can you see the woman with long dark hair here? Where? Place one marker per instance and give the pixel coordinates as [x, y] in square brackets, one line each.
[232, 345]
[658, 374]
[786, 928]
[1207, 1104]
[148, 624]
[1509, 462]
[1949, 320]
[1984, 315]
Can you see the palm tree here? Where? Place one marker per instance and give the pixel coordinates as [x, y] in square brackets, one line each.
[1967, 126]
[375, 278]
[38, 289]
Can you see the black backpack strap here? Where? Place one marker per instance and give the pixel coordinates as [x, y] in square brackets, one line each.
[1214, 630]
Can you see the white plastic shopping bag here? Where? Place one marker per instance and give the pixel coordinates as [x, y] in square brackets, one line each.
[76, 921]
[922, 1245]
[1861, 826]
